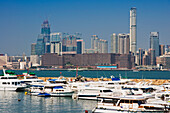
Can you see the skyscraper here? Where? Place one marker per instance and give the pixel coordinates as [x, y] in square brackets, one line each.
[43, 41]
[114, 43]
[94, 43]
[80, 46]
[161, 50]
[154, 42]
[55, 43]
[33, 50]
[124, 42]
[140, 56]
[99, 45]
[69, 44]
[152, 57]
[40, 45]
[133, 39]
[45, 31]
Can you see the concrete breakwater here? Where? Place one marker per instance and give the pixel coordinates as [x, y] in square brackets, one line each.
[149, 81]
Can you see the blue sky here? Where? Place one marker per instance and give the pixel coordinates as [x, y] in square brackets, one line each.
[21, 20]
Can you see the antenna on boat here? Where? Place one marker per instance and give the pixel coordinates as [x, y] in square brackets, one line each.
[4, 72]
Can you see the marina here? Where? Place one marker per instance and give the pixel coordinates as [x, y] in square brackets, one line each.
[83, 94]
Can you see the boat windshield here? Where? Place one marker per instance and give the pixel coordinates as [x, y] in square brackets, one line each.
[107, 91]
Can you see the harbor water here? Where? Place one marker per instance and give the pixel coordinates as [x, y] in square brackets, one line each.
[102, 73]
[18, 102]
[9, 103]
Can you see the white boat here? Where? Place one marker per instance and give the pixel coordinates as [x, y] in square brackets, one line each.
[27, 78]
[91, 93]
[54, 87]
[127, 104]
[10, 82]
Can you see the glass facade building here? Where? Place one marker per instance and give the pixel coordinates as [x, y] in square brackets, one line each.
[40, 46]
[154, 42]
[133, 32]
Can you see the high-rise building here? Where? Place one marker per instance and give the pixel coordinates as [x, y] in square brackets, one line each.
[104, 48]
[161, 50]
[124, 43]
[80, 46]
[167, 49]
[133, 33]
[33, 50]
[99, 45]
[56, 47]
[43, 41]
[56, 44]
[69, 44]
[114, 43]
[152, 57]
[40, 45]
[45, 31]
[146, 58]
[95, 43]
[140, 56]
[55, 37]
[154, 42]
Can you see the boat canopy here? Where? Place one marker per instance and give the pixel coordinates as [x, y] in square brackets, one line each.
[58, 87]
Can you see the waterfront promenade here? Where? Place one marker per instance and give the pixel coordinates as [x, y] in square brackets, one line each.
[152, 81]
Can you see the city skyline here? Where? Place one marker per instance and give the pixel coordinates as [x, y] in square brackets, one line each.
[21, 22]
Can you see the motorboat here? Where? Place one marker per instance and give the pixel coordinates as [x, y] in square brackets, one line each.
[27, 78]
[53, 89]
[91, 93]
[10, 82]
[110, 104]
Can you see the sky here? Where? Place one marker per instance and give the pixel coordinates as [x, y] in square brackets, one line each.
[21, 20]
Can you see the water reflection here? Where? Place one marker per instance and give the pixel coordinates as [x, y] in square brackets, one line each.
[33, 104]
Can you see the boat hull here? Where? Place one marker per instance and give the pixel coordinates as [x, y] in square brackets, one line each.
[12, 88]
[64, 94]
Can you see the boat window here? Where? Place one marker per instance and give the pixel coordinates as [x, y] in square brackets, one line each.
[12, 83]
[12, 77]
[15, 83]
[110, 83]
[40, 81]
[18, 82]
[4, 78]
[107, 91]
[3, 82]
[8, 83]
[135, 89]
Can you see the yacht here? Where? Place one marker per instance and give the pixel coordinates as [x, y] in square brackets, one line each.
[27, 78]
[128, 104]
[54, 87]
[10, 82]
[53, 90]
[91, 93]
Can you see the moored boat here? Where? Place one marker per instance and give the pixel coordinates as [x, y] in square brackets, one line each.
[10, 83]
[128, 104]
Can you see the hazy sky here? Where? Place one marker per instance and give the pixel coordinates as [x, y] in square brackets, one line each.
[21, 20]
